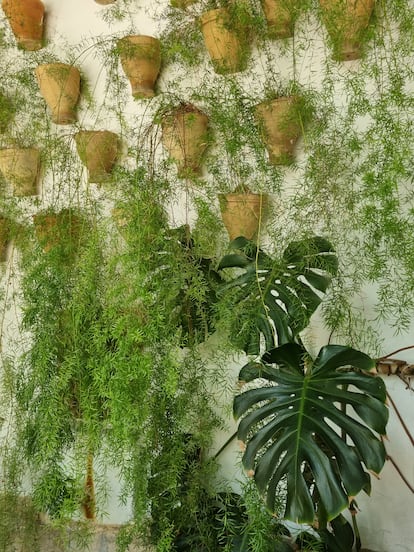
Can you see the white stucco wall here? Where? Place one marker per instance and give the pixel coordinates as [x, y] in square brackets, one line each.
[386, 518]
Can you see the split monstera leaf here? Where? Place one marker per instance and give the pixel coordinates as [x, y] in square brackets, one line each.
[311, 427]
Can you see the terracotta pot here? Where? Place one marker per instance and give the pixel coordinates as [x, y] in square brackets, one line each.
[185, 137]
[60, 86]
[98, 150]
[62, 228]
[141, 61]
[20, 168]
[242, 213]
[182, 3]
[4, 238]
[281, 128]
[279, 16]
[26, 21]
[346, 21]
[222, 43]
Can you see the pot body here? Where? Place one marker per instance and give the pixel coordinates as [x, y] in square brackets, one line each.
[279, 16]
[185, 137]
[242, 213]
[26, 21]
[20, 168]
[141, 61]
[346, 21]
[222, 42]
[98, 150]
[281, 128]
[60, 86]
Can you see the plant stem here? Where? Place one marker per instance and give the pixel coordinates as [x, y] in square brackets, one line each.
[400, 418]
[395, 352]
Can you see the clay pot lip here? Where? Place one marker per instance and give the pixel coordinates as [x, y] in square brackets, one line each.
[55, 64]
[17, 149]
[280, 99]
[210, 15]
[136, 39]
[183, 108]
[239, 196]
[91, 132]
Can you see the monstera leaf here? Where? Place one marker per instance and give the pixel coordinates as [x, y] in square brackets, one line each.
[300, 438]
[276, 298]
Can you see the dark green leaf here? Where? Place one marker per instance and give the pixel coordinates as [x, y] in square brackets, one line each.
[293, 427]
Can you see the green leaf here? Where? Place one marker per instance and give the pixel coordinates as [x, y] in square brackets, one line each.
[295, 427]
[276, 296]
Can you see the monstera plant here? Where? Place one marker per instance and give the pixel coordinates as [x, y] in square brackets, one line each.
[310, 427]
[275, 298]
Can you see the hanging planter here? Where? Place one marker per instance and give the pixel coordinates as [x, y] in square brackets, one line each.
[222, 42]
[98, 150]
[20, 168]
[26, 21]
[280, 17]
[60, 86]
[346, 22]
[141, 61]
[281, 127]
[242, 212]
[61, 229]
[185, 137]
[4, 238]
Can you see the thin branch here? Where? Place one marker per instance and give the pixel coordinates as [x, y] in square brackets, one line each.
[229, 440]
[395, 352]
[400, 418]
[400, 473]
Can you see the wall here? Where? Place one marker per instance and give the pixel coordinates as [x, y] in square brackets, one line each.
[79, 27]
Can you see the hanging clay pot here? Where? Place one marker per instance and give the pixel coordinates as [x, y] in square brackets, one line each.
[222, 42]
[346, 21]
[98, 150]
[280, 17]
[281, 127]
[182, 3]
[141, 61]
[63, 228]
[20, 168]
[60, 86]
[26, 21]
[185, 137]
[4, 237]
[242, 213]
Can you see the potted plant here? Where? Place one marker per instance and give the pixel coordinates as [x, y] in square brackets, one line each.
[280, 124]
[185, 136]
[223, 40]
[98, 150]
[141, 61]
[296, 428]
[20, 168]
[346, 22]
[280, 16]
[59, 231]
[242, 212]
[26, 21]
[59, 85]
